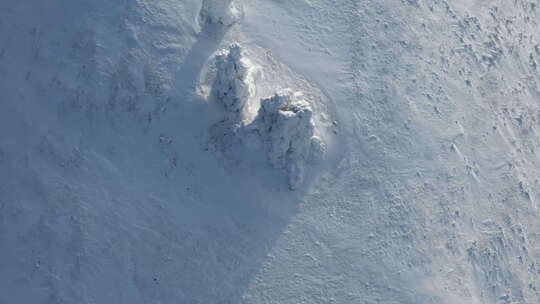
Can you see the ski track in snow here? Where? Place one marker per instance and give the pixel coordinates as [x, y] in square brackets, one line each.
[428, 193]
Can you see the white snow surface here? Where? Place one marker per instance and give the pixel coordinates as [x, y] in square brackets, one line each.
[428, 193]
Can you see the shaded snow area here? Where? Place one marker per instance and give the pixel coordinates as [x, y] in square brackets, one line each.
[256, 151]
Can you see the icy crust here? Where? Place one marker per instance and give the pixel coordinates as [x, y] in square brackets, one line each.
[233, 86]
[283, 124]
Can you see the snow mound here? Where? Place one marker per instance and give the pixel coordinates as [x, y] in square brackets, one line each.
[233, 86]
[285, 124]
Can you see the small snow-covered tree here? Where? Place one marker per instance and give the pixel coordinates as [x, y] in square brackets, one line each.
[220, 12]
[233, 86]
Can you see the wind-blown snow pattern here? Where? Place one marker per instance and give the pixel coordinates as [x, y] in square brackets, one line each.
[123, 180]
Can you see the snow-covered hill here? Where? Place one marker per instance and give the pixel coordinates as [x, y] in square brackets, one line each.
[143, 158]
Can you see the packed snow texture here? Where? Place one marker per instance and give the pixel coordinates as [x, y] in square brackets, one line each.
[428, 192]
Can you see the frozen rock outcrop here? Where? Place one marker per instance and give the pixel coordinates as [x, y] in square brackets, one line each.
[285, 124]
[233, 86]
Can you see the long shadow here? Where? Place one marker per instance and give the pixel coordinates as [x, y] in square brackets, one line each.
[120, 232]
[207, 43]
[229, 256]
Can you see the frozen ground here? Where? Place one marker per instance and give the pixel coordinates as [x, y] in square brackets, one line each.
[113, 191]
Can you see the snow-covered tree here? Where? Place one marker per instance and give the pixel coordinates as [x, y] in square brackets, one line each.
[285, 124]
[220, 12]
[233, 86]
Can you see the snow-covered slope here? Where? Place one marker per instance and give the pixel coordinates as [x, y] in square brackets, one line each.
[124, 180]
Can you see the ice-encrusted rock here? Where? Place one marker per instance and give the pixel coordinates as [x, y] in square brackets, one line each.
[233, 87]
[285, 123]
